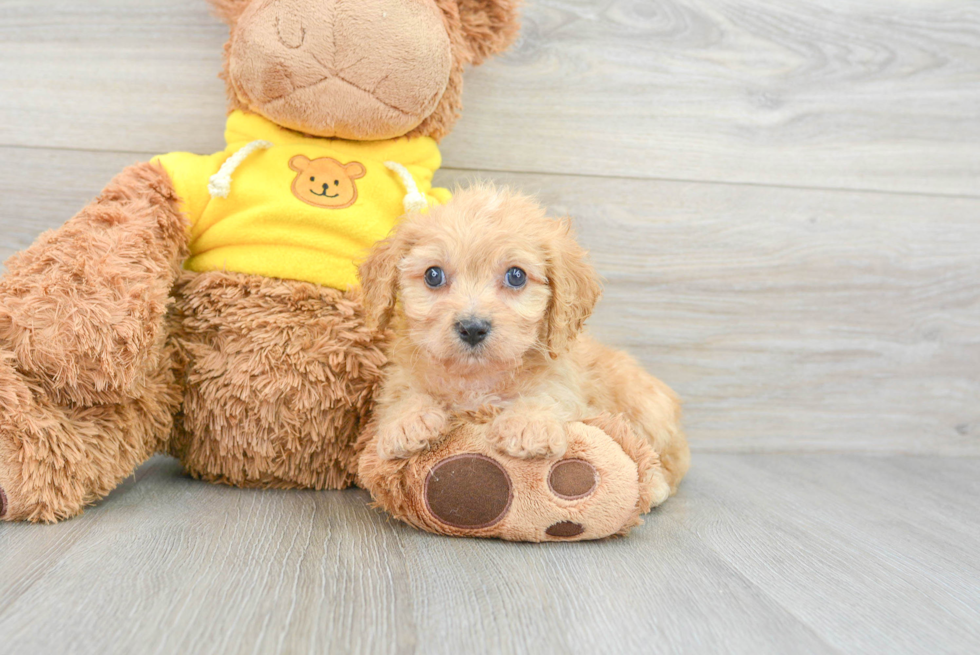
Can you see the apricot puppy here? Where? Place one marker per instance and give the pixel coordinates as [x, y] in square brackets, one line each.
[487, 297]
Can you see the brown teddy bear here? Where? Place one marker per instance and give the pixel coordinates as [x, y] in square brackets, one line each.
[206, 306]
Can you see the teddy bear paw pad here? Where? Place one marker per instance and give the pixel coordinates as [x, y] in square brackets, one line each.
[468, 491]
[572, 479]
[565, 529]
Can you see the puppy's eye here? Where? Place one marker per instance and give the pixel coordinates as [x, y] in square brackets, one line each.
[312, 179]
[336, 182]
[516, 278]
[435, 277]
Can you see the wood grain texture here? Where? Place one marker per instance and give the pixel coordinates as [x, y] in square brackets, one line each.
[858, 554]
[867, 94]
[848, 546]
[874, 94]
[786, 318]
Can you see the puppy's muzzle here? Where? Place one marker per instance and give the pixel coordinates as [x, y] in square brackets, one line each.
[473, 331]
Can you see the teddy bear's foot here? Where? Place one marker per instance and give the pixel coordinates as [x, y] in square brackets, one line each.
[465, 487]
[473, 492]
[55, 460]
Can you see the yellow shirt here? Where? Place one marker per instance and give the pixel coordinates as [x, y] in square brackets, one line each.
[297, 207]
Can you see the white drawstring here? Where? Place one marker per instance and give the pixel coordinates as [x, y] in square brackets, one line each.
[414, 201]
[220, 185]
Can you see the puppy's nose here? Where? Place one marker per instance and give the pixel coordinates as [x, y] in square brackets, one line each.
[473, 330]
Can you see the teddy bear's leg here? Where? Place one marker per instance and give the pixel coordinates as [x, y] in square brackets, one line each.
[280, 377]
[57, 458]
[466, 487]
[87, 386]
[83, 308]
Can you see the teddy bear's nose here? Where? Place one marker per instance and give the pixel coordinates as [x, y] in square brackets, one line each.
[325, 186]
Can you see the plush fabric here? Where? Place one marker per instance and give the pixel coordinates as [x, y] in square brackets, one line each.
[278, 378]
[260, 382]
[82, 309]
[287, 56]
[273, 224]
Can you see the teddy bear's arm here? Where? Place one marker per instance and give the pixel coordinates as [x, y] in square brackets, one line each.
[83, 306]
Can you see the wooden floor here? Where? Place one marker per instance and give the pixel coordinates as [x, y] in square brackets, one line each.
[784, 199]
[757, 554]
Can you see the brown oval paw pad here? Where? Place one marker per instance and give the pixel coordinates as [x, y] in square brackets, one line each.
[572, 479]
[468, 491]
[565, 529]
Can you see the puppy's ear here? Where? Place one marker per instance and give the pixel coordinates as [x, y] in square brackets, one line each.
[379, 281]
[575, 289]
[490, 26]
[229, 10]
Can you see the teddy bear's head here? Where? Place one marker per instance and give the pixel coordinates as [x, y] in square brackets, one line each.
[359, 69]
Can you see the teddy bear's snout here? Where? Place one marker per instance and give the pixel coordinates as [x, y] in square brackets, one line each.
[351, 70]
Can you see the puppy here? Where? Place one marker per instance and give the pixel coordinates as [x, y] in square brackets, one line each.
[487, 297]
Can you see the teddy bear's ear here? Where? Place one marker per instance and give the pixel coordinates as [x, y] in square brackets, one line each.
[490, 26]
[229, 10]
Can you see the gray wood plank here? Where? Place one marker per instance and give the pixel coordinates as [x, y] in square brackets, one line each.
[171, 565]
[876, 94]
[839, 542]
[651, 592]
[787, 319]
[758, 553]
[111, 75]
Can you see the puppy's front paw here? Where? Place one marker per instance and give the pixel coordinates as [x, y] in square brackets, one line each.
[411, 433]
[529, 435]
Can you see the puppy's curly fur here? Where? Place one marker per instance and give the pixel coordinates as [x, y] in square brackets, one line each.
[535, 370]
